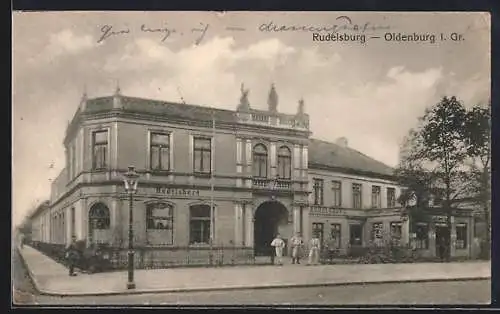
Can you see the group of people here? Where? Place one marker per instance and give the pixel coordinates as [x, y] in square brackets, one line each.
[297, 246]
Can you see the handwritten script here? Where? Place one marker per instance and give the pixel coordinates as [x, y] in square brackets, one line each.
[342, 23]
[108, 31]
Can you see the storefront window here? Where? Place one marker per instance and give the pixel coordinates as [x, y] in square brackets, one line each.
[461, 242]
[335, 234]
[422, 236]
[199, 225]
[377, 233]
[396, 232]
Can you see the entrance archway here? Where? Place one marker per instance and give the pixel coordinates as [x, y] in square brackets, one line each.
[268, 217]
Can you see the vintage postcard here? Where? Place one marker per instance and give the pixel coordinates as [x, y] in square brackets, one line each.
[251, 158]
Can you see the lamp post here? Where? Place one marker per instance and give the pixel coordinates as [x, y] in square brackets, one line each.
[130, 179]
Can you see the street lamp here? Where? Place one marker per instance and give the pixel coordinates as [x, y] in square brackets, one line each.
[130, 179]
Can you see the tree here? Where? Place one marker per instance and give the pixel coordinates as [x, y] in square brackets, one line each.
[434, 154]
[478, 144]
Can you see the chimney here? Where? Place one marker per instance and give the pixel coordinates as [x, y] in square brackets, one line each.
[341, 141]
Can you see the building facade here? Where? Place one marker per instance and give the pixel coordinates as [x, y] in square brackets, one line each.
[213, 177]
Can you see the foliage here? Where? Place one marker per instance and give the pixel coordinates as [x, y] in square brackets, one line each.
[478, 142]
[433, 154]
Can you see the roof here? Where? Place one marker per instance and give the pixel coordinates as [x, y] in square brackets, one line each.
[158, 107]
[39, 209]
[330, 155]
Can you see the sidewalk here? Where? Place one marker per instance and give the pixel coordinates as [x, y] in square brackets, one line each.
[52, 278]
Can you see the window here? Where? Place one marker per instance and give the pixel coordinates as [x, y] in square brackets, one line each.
[100, 150]
[284, 162]
[160, 151]
[461, 230]
[376, 199]
[63, 227]
[99, 223]
[377, 229]
[199, 225]
[337, 193]
[99, 216]
[396, 232]
[356, 195]
[318, 191]
[159, 216]
[355, 232]
[422, 236]
[318, 230]
[391, 197]
[159, 219]
[335, 234]
[73, 221]
[260, 161]
[202, 155]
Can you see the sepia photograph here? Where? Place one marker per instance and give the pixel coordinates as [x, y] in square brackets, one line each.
[242, 159]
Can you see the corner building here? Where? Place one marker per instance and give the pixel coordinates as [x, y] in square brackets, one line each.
[259, 168]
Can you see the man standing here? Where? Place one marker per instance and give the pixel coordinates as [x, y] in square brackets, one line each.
[72, 255]
[332, 246]
[278, 245]
[296, 243]
[314, 250]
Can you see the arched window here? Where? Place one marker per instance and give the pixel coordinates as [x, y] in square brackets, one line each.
[199, 224]
[160, 223]
[260, 161]
[99, 217]
[99, 223]
[284, 162]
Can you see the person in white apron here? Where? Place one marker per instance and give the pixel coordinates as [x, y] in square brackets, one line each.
[296, 243]
[314, 248]
[279, 245]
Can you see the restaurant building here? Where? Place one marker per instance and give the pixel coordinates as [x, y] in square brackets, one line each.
[215, 177]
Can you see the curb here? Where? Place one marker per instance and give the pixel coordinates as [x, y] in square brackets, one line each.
[261, 287]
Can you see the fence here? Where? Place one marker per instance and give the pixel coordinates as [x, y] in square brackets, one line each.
[163, 257]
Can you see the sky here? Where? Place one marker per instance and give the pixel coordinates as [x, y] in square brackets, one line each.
[372, 93]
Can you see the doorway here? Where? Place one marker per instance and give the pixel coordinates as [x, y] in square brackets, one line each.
[442, 239]
[268, 217]
[355, 234]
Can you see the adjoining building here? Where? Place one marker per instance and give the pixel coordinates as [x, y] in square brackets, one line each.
[216, 177]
